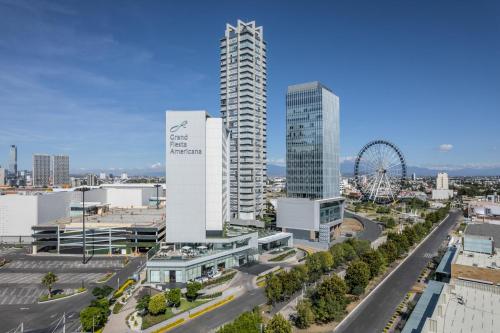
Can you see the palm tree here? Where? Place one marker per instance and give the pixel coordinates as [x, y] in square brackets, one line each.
[48, 281]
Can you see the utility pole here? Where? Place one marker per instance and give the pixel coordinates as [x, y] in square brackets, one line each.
[157, 198]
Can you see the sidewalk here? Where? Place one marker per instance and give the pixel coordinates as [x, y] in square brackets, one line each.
[116, 322]
[232, 291]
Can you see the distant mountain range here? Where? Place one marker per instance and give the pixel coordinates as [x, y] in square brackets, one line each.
[347, 169]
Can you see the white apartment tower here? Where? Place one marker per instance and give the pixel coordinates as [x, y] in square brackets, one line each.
[41, 170]
[442, 181]
[243, 110]
[60, 170]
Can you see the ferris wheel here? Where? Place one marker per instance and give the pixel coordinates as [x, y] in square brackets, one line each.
[380, 171]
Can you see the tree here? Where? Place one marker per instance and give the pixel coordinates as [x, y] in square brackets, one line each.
[301, 273]
[326, 261]
[290, 283]
[359, 246]
[157, 304]
[389, 250]
[48, 281]
[337, 252]
[314, 267]
[274, 289]
[278, 324]
[410, 235]
[247, 322]
[375, 261]
[390, 223]
[143, 303]
[192, 290]
[349, 252]
[92, 318]
[329, 300]
[305, 314]
[174, 297]
[357, 276]
[102, 292]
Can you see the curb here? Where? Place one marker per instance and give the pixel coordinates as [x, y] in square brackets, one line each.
[61, 298]
[211, 307]
[389, 275]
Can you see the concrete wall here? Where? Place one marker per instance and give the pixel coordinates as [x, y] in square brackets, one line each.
[298, 214]
[17, 214]
[53, 206]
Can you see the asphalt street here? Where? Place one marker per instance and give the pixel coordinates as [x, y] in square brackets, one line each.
[375, 312]
[371, 229]
[19, 296]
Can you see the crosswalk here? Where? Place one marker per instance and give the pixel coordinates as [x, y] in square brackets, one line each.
[429, 255]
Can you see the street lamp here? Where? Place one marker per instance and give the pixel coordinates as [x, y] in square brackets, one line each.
[157, 198]
[83, 190]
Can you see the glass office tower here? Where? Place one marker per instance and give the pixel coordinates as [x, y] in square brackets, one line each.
[312, 142]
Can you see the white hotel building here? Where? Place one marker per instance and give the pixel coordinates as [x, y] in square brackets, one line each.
[198, 239]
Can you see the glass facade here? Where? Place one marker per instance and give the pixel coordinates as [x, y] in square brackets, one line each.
[330, 211]
[312, 125]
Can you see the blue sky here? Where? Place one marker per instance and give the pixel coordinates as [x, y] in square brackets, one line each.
[92, 78]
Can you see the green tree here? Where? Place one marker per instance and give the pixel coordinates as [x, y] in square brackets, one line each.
[376, 262]
[157, 304]
[410, 235]
[142, 303]
[390, 223]
[305, 314]
[278, 324]
[174, 297]
[48, 282]
[326, 260]
[192, 290]
[389, 250]
[314, 267]
[301, 273]
[103, 292]
[290, 282]
[329, 299]
[92, 318]
[357, 277]
[349, 252]
[337, 252]
[274, 289]
[247, 322]
[359, 246]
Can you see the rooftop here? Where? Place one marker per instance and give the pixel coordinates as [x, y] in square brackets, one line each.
[119, 217]
[484, 229]
[477, 259]
[466, 307]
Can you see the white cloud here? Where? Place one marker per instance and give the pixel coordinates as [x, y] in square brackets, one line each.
[156, 165]
[347, 159]
[445, 147]
[277, 161]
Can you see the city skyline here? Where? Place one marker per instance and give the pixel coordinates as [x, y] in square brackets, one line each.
[409, 93]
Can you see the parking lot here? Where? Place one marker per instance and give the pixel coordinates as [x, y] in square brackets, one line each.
[60, 265]
[20, 279]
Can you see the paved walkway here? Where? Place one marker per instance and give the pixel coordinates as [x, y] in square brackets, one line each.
[116, 322]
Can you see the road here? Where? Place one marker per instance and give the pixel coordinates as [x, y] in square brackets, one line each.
[375, 312]
[41, 317]
[371, 229]
[228, 312]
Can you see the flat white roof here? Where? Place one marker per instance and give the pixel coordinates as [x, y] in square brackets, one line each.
[469, 307]
[275, 237]
[476, 259]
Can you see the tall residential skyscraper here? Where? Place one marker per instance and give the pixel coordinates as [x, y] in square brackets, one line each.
[41, 170]
[243, 109]
[60, 170]
[13, 160]
[442, 181]
[312, 142]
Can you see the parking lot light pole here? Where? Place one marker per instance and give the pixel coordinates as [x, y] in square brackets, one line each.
[83, 190]
[157, 198]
